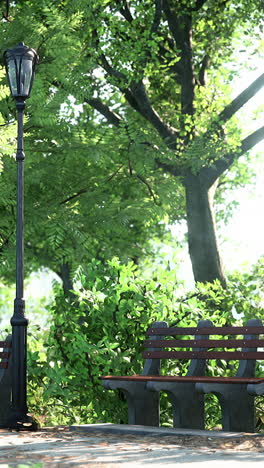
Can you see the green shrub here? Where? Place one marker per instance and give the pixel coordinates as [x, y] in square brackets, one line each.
[103, 330]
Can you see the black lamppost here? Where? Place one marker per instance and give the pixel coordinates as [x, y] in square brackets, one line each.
[20, 64]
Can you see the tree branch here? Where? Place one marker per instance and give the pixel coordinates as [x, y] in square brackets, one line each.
[110, 116]
[137, 97]
[120, 80]
[202, 72]
[241, 99]
[6, 14]
[7, 123]
[233, 107]
[152, 194]
[110, 70]
[85, 190]
[173, 24]
[199, 4]
[252, 140]
[145, 109]
[157, 17]
[132, 101]
[165, 166]
[167, 133]
[171, 169]
[77, 194]
[181, 30]
[125, 10]
[136, 94]
[5, 242]
[211, 174]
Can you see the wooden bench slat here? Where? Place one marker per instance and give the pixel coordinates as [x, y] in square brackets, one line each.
[4, 355]
[204, 343]
[5, 344]
[227, 355]
[186, 378]
[206, 331]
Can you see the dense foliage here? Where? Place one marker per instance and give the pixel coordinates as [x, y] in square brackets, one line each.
[103, 330]
[129, 126]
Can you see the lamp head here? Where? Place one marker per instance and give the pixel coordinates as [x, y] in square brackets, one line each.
[20, 64]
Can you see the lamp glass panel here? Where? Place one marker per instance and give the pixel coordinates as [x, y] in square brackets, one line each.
[12, 73]
[25, 77]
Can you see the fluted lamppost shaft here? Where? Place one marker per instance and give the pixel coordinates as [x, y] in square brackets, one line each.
[18, 321]
[20, 65]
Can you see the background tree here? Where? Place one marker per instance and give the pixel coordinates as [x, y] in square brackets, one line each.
[152, 81]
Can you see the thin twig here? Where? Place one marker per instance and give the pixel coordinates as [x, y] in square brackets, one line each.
[85, 190]
[149, 188]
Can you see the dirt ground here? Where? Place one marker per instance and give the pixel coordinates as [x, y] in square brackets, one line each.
[61, 448]
[245, 442]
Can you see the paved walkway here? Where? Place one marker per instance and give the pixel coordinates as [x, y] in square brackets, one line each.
[107, 445]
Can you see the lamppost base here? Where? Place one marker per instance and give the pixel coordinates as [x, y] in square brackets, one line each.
[25, 423]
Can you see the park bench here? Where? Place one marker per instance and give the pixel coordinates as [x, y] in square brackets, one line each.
[5, 381]
[187, 392]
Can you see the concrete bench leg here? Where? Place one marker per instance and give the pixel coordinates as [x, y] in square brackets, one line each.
[5, 401]
[143, 406]
[187, 404]
[238, 411]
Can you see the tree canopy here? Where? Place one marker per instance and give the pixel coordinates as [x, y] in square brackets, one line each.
[130, 124]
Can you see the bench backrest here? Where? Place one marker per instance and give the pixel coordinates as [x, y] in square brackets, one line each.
[161, 346]
[5, 354]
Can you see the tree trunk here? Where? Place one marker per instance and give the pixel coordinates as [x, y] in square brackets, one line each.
[203, 249]
[67, 284]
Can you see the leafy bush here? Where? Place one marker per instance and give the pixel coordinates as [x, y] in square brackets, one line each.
[103, 330]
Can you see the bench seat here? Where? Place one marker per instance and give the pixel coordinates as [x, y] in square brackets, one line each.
[175, 378]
